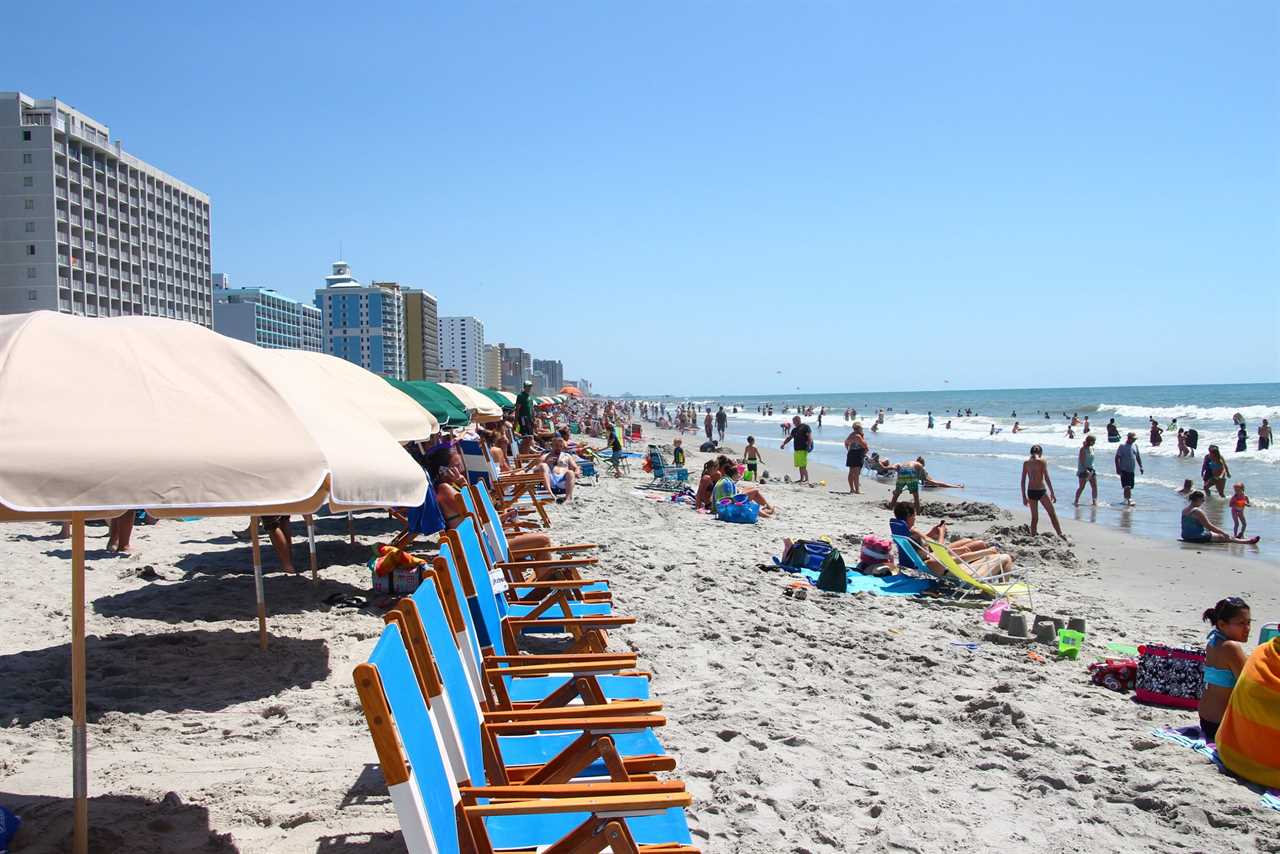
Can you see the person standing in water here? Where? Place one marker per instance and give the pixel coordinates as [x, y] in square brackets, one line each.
[1155, 433]
[1037, 490]
[1264, 435]
[722, 423]
[855, 446]
[1085, 471]
[1113, 432]
[1242, 440]
[1127, 460]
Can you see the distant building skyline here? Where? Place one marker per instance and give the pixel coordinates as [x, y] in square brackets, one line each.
[265, 317]
[421, 336]
[364, 325]
[462, 348]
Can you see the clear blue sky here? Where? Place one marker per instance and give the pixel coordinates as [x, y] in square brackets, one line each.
[690, 196]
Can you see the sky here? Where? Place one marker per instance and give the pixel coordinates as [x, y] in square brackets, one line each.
[730, 198]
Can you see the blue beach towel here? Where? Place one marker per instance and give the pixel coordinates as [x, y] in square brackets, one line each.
[9, 824]
[1190, 737]
[887, 585]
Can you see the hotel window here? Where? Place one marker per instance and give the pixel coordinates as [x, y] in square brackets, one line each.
[31, 249]
[31, 272]
[29, 204]
[28, 181]
[26, 136]
[26, 157]
[31, 227]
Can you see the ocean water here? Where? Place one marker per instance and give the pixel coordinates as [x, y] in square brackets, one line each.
[990, 465]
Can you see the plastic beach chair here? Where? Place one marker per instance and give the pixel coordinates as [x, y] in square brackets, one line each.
[1001, 586]
[479, 633]
[438, 817]
[539, 745]
[665, 475]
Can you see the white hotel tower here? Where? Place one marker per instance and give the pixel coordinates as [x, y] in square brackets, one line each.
[89, 229]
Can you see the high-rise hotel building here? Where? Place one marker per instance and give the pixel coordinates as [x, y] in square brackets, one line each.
[89, 229]
[364, 325]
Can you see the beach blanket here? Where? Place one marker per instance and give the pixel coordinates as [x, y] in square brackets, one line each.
[1249, 738]
[887, 585]
[1191, 738]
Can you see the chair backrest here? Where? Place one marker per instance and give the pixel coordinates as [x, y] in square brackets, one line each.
[476, 461]
[956, 568]
[474, 633]
[656, 462]
[462, 706]
[426, 798]
[908, 552]
[486, 608]
[480, 505]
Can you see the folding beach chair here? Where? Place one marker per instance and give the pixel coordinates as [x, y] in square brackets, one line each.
[665, 475]
[521, 489]
[438, 817]
[1006, 585]
[520, 745]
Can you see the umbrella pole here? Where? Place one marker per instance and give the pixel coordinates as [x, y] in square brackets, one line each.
[311, 542]
[79, 729]
[257, 583]
[351, 530]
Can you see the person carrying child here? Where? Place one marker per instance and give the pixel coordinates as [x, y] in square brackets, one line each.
[1239, 501]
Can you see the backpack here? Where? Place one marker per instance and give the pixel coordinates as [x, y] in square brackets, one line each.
[821, 557]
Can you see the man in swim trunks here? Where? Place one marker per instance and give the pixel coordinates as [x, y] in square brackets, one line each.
[1127, 457]
[802, 435]
[910, 476]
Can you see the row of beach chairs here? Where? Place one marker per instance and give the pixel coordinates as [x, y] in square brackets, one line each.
[487, 748]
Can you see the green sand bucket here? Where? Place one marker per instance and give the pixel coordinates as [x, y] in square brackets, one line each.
[1069, 643]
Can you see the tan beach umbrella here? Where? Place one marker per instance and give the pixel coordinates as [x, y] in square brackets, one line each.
[479, 405]
[399, 415]
[104, 416]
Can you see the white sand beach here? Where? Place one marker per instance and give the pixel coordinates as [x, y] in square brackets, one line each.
[837, 723]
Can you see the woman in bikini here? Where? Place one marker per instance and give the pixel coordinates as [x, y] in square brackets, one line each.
[1214, 472]
[1037, 490]
[1224, 657]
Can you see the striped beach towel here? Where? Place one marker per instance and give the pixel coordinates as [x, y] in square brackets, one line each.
[1249, 738]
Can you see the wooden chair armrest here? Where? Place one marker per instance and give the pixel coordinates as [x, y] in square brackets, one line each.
[603, 725]
[568, 584]
[563, 668]
[572, 547]
[554, 563]
[601, 622]
[628, 658]
[567, 790]
[624, 707]
[609, 803]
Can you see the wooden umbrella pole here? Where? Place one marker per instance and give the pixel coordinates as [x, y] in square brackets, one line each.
[79, 728]
[257, 583]
[311, 543]
[351, 530]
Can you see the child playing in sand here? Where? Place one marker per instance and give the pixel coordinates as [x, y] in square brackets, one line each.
[751, 456]
[1239, 501]
[677, 452]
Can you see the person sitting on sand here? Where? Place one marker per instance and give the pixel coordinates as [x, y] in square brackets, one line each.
[706, 483]
[1224, 657]
[982, 558]
[1214, 472]
[727, 487]
[1196, 527]
[1037, 490]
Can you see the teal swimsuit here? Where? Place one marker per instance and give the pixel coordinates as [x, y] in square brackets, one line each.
[1220, 676]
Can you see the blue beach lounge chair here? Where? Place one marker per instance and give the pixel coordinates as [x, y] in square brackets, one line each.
[478, 633]
[665, 475]
[538, 745]
[438, 817]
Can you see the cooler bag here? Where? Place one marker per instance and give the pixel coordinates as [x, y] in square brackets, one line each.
[1170, 676]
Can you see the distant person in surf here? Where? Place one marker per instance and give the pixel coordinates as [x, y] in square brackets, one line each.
[1037, 490]
[1017, 428]
[706, 424]
[1113, 432]
[1264, 435]
[1086, 424]
[1085, 472]
[1182, 444]
[1128, 464]
[1214, 472]
[1242, 440]
[1156, 433]
[930, 420]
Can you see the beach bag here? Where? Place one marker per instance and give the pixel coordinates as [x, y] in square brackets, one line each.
[1170, 676]
[738, 508]
[805, 554]
[873, 559]
[395, 571]
[833, 577]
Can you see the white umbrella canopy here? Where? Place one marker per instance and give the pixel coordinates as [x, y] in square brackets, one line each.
[481, 407]
[398, 413]
[103, 416]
